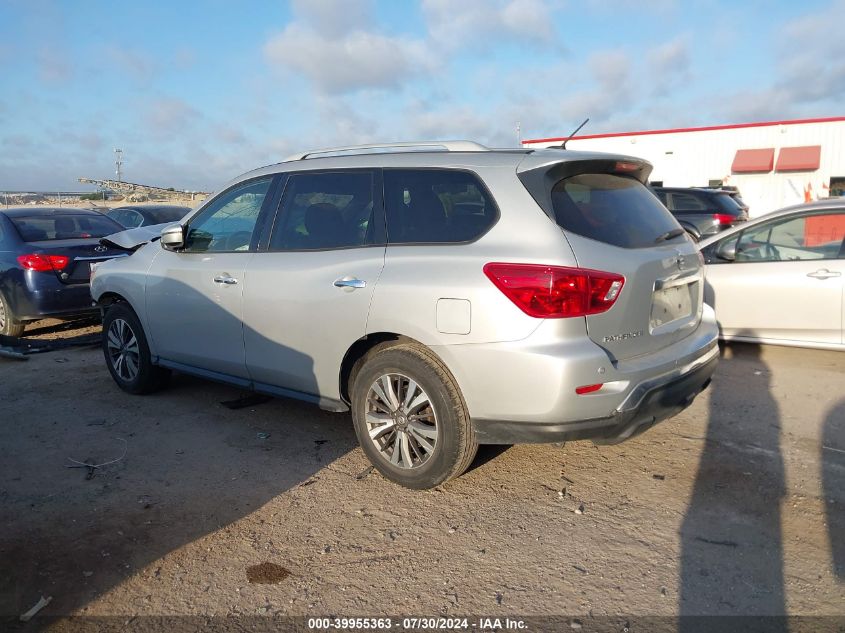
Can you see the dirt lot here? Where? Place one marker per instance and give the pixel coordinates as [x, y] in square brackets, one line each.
[737, 506]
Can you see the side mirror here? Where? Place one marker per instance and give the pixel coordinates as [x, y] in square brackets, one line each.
[727, 250]
[173, 237]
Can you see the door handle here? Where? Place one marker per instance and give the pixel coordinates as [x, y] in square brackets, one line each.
[225, 279]
[347, 282]
[824, 273]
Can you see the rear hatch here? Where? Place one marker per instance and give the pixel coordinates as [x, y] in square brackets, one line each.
[614, 224]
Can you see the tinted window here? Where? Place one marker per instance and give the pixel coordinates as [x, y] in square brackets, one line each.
[818, 236]
[435, 206]
[687, 202]
[160, 216]
[37, 228]
[325, 210]
[227, 223]
[612, 209]
[727, 204]
[127, 217]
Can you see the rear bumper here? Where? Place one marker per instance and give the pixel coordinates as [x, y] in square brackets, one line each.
[525, 391]
[649, 403]
[40, 297]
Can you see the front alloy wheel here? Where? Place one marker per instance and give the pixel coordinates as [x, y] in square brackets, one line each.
[124, 353]
[127, 353]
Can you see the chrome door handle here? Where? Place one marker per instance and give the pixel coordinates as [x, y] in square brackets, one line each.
[225, 279]
[824, 273]
[346, 282]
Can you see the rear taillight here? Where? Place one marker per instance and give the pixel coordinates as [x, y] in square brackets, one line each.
[43, 263]
[724, 218]
[555, 292]
[588, 388]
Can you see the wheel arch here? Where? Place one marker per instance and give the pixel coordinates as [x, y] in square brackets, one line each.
[359, 350]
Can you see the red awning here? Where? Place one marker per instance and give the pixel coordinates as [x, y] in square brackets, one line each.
[753, 160]
[799, 158]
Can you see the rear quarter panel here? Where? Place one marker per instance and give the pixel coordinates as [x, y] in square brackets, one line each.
[416, 277]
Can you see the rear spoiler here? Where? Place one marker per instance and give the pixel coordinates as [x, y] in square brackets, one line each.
[540, 180]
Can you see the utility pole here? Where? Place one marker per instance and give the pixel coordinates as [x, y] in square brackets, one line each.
[118, 163]
[518, 134]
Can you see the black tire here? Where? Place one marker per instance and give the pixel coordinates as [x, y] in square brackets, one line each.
[122, 325]
[455, 445]
[693, 235]
[9, 325]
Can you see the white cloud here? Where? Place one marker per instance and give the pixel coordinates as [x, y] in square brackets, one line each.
[670, 66]
[809, 55]
[454, 25]
[134, 64]
[329, 43]
[169, 116]
[335, 17]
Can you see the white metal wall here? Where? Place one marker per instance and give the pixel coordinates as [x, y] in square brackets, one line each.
[693, 158]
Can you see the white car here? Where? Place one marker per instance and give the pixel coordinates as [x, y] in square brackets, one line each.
[780, 278]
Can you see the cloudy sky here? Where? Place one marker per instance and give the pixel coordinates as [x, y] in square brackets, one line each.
[196, 92]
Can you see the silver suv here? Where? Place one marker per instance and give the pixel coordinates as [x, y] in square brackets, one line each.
[447, 294]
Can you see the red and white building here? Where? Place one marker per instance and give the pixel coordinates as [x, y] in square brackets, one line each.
[773, 163]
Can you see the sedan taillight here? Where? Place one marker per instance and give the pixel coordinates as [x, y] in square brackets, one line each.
[43, 263]
[724, 219]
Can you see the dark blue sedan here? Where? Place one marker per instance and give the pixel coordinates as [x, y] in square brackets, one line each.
[45, 263]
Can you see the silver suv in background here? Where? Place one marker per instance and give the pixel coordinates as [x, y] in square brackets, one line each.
[447, 294]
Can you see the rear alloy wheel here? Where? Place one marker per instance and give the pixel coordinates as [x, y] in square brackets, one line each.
[410, 417]
[9, 325]
[127, 353]
[401, 421]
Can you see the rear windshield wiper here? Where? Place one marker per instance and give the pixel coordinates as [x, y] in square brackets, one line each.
[668, 235]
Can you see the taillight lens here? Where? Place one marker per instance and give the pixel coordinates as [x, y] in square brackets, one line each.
[724, 218]
[555, 292]
[588, 388]
[43, 263]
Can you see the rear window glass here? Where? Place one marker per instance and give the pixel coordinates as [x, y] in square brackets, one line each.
[38, 228]
[435, 206]
[160, 216]
[727, 204]
[612, 209]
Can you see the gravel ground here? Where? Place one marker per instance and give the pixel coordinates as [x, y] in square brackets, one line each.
[736, 506]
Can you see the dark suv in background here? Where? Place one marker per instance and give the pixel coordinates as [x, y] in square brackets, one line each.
[702, 212]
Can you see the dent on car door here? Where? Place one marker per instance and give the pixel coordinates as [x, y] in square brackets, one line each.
[307, 295]
[785, 281]
[195, 295]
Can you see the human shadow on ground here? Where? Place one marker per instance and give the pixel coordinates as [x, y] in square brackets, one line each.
[191, 468]
[731, 542]
[833, 484]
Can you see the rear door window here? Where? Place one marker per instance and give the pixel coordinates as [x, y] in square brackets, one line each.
[613, 209]
[687, 203]
[327, 210]
[425, 206]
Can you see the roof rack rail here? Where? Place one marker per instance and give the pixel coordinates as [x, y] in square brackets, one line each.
[375, 148]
